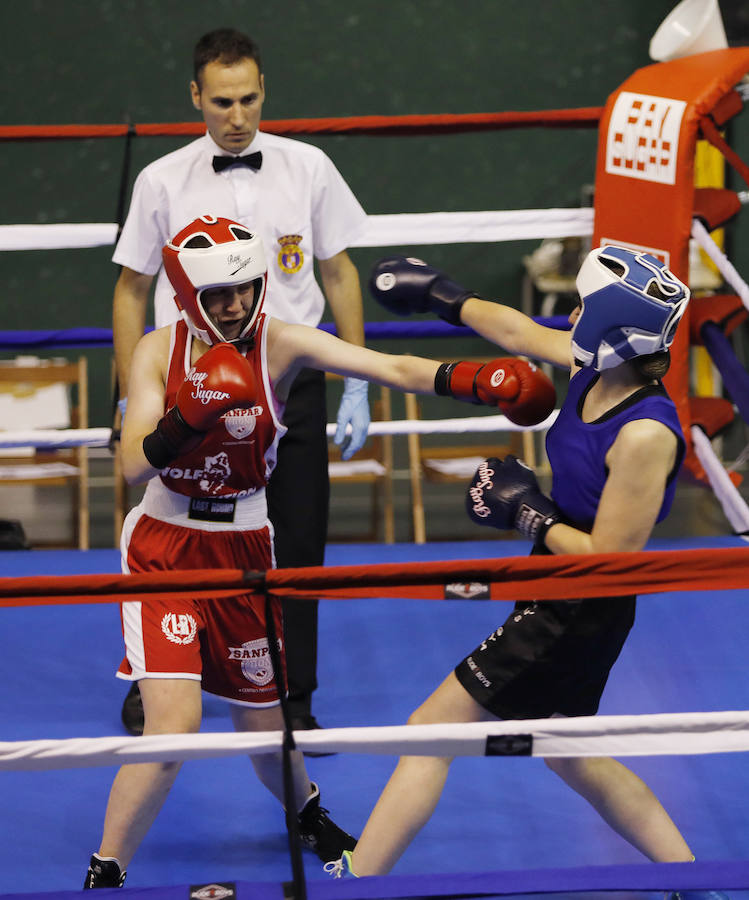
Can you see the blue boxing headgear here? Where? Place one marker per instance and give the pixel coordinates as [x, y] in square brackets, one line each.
[631, 305]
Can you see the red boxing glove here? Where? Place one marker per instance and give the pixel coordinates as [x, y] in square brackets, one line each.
[520, 389]
[221, 380]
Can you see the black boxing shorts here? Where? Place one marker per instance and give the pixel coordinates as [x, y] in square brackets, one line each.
[549, 657]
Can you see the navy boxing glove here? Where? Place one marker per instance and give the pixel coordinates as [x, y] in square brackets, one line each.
[505, 494]
[406, 285]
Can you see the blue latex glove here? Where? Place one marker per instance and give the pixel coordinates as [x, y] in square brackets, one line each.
[122, 406]
[354, 410]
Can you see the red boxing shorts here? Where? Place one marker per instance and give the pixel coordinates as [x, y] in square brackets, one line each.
[223, 642]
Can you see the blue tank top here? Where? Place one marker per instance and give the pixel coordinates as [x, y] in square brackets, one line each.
[577, 450]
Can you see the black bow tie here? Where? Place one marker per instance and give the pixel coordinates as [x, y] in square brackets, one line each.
[252, 161]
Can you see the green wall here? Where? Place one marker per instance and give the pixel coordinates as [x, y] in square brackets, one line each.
[103, 62]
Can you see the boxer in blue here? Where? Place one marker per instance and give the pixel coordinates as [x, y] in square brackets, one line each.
[615, 450]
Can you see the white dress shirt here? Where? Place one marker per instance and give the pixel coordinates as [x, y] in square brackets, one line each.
[297, 201]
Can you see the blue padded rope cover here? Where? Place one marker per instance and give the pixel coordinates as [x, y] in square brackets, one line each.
[728, 875]
[244, 890]
[58, 337]
[102, 337]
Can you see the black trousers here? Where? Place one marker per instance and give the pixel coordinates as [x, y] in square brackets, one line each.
[298, 499]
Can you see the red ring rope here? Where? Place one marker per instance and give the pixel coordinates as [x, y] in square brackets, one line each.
[511, 578]
[585, 117]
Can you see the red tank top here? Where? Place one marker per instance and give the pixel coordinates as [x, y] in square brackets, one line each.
[238, 454]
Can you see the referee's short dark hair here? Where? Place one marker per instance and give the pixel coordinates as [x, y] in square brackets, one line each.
[226, 46]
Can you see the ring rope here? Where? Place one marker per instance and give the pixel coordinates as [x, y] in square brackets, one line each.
[733, 504]
[725, 266]
[662, 734]
[584, 117]
[100, 437]
[387, 230]
[390, 329]
[54, 438]
[557, 577]
[665, 877]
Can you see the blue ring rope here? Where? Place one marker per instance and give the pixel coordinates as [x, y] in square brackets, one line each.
[726, 875]
[734, 375]
[719, 875]
[102, 337]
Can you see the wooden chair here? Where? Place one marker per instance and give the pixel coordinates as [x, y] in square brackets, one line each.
[452, 463]
[372, 465]
[48, 394]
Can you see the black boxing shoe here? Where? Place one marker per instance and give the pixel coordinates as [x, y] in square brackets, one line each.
[104, 872]
[132, 711]
[320, 833]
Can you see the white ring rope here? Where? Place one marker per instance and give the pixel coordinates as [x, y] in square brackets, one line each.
[475, 227]
[665, 734]
[42, 438]
[463, 425]
[381, 231]
[100, 437]
[734, 506]
[726, 268]
[64, 236]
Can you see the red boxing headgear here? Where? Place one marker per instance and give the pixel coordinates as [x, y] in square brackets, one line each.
[214, 252]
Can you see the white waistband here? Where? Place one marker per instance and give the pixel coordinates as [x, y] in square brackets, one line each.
[250, 513]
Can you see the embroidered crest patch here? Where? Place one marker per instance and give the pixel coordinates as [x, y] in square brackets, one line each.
[179, 628]
[290, 256]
